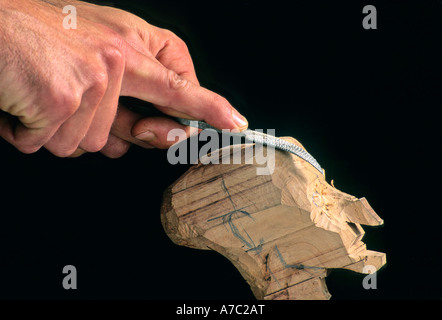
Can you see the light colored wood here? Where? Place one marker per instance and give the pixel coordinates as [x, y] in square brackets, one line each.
[282, 231]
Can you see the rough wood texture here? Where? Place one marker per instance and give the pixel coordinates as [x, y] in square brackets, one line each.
[281, 231]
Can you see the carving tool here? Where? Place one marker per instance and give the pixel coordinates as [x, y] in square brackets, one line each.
[147, 109]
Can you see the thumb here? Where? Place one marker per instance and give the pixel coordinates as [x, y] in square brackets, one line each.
[148, 80]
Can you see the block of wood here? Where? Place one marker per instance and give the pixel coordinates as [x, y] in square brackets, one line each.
[281, 230]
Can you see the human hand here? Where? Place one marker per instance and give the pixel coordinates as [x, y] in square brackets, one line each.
[59, 88]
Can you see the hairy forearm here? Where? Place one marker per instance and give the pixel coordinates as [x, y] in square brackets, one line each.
[62, 3]
[58, 3]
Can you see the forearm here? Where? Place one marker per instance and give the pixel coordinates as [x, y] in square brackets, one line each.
[56, 3]
[59, 3]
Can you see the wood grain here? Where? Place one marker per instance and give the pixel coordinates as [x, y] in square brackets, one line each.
[282, 231]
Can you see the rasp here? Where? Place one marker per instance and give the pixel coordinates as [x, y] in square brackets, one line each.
[147, 109]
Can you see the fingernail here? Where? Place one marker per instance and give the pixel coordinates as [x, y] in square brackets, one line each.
[146, 136]
[239, 120]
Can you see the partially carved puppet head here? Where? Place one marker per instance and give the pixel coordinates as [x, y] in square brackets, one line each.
[282, 231]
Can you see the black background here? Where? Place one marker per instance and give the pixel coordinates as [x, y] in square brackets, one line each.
[363, 103]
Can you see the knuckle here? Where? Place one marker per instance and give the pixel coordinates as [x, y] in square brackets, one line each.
[28, 148]
[116, 151]
[62, 148]
[94, 145]
[63, 151]
[176, 82]
[114, 57]
[176, 41]
[181, 44]
[66, 102]
[115, 147]
[30, 143]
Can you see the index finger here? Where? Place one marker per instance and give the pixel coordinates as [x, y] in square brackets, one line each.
[175, 95]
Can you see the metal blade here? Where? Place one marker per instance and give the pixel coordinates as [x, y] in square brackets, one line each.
[261, 138]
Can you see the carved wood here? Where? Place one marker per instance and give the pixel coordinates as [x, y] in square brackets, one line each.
[282, 231]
